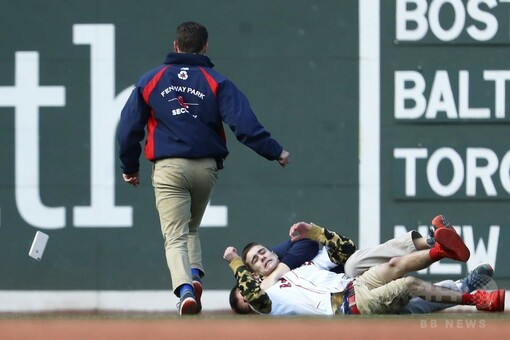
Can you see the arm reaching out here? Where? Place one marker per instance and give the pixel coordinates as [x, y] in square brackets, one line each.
[299, 231]
[230, 254]
[339, 247]
[276, 275]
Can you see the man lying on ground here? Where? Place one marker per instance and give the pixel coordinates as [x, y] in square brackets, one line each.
[313, 289]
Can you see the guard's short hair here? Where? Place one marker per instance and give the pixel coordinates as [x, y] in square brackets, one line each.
[191, 37]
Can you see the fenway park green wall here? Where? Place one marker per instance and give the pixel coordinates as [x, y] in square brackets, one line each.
[392, 114]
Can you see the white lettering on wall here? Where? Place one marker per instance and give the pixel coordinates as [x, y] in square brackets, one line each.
[481, 166]
[410, 156]
[26, 96]
[215, 216]
[415, 18]
[480, 253]
[410, 88]
[104, 117]
[500, 78]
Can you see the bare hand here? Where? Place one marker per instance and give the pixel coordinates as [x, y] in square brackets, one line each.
[133, 179]
[230, 254]
[299, 231]
[284, 158]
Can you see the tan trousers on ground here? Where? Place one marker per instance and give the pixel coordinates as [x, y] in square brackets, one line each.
[364, 259]
[182, 189]
[373, 295]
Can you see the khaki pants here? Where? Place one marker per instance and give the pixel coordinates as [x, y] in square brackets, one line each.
[364, 259]
[182, 189]
[374, 296]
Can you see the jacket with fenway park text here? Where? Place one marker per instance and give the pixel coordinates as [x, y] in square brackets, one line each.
[180, 108]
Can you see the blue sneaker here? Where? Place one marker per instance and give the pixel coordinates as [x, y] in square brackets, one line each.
[478, 278]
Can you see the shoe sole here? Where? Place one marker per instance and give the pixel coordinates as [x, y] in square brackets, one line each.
[495, 305]
[437, 222]
[188, 306]
[501, 301]
[197, 289]
[452, 244]
[477, 281]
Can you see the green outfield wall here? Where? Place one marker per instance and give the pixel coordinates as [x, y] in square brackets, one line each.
[393, 111]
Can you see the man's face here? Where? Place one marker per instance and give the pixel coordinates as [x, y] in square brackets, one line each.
[262, 260]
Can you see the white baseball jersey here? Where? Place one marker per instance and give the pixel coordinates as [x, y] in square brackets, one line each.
[307, 290]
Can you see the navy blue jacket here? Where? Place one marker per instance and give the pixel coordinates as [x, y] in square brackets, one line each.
[183, 104]
[294, 254]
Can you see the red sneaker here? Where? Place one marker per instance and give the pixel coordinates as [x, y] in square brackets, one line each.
[440, 222]
[490, 301]
[197, 289]
[451, 245]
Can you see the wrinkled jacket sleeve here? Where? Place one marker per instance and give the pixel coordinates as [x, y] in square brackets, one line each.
[250, 287]
[340, 247]
[237, 113]
[297, 252]
[131, 131]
